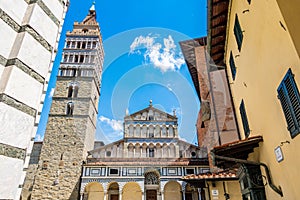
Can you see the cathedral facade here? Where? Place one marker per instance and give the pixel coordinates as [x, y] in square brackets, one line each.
[148, 163]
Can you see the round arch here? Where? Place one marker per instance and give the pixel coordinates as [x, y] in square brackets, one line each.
[172, 191]
[113, 191]
[152, 177]
[94, 191]
[131, 191]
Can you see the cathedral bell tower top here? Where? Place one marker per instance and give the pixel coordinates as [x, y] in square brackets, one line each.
[92, 10]
[88, 26]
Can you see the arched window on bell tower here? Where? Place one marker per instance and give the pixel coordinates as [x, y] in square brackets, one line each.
[70, 90]
[73, 89]
[70, 108]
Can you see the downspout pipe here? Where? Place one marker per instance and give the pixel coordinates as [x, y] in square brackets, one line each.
[236, 160]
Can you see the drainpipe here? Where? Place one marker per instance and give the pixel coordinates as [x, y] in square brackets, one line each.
[276, 189]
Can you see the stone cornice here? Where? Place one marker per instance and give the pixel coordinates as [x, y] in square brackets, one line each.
[25, 28]
[22, 66]
[3, 60]
[12, 152]
[48, 12]
[36, 36]
[4, 98]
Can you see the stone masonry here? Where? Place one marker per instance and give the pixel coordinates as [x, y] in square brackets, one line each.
[72, 120]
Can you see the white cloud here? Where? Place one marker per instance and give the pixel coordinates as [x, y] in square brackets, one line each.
[116, 125]
[141, 40]
[51, 92]
[164, 57]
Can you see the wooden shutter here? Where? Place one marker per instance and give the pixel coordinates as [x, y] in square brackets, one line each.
[232, 66]
[288, 95]
[238, 32]
[244, 119]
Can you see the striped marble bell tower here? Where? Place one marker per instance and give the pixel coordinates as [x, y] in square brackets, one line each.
[72, 120]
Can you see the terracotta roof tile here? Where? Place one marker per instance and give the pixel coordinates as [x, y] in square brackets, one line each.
[231, 174]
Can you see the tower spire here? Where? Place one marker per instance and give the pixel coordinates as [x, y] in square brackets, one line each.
[92, 10]
[93, 6]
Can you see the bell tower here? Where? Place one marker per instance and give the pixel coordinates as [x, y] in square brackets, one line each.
[72, 120]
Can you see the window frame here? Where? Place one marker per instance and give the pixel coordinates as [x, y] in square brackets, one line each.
[70, 108]
[151, 153]
[238, 33]
[289, 97]
[232, 66]
[244, 118]
[188, 171]
[113, 174]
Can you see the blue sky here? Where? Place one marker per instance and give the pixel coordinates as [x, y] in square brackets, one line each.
[142, 60]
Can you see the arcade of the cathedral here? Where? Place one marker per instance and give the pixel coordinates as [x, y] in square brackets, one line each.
[149, 185]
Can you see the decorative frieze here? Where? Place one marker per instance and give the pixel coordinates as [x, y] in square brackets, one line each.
[12, 152]
[17, 104]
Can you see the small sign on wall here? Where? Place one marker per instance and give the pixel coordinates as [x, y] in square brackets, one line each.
[278, 154]
[215, 192]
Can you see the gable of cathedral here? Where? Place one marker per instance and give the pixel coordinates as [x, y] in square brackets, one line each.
[150, 114]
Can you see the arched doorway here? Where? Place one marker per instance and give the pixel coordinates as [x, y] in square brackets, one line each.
[191, 193]
[172, 191]
[152, 184]
[93, 191]
[113, 191]
[131, 191]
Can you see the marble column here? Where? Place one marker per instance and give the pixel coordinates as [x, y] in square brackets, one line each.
[120, 194]
[105, 196]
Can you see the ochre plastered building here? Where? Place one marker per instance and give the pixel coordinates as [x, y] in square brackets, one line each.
[262, 59]
[257, 42]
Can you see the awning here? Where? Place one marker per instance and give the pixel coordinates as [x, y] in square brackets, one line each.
[239, 149]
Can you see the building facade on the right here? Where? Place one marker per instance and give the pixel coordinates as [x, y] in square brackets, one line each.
[259, 44]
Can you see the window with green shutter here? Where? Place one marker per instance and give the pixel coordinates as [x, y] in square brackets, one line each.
[232, 66]
[288, 94]
[238, 33]
[244, 119]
